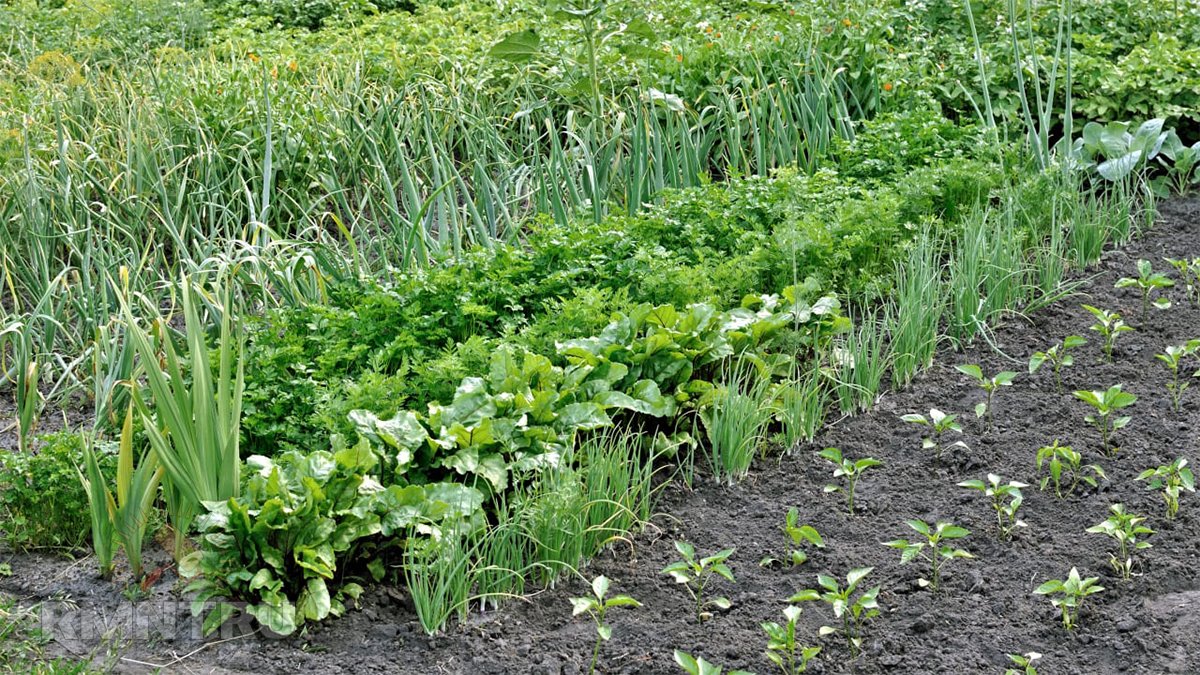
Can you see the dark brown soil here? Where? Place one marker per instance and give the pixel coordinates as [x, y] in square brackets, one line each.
[986, 609]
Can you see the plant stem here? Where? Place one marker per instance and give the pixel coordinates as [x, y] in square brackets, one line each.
[595, 655]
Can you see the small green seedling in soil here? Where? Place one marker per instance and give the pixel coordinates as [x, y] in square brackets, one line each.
[1173, 356]
[1126, 529]
[782, 649]
[698, 666]
[1067, 469]
[597, 607]
[799, 535]
[1171, 479]
[939, 423]
[989, 386]
[1110, 325]
[848, 469]
[1068, 595]
[1006, 499]
[854, 612]
[1024, 662]
[1148, 282]
[1106, 403]
[1189, 273]
[939, 552]
[696, 573]
[1058, 356]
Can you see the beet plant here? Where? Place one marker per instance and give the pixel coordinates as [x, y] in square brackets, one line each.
[1185, 160]
[1058, 356]
[1126, 529]
[695, 573]
[1105, 405]
[782, 648]
[1005, 499]
[1148, 282]
[1066, 469]
[850, 470]
[1110, 325]
[989, 385]
[933, 547]
[938, 424]
[1171, 479]
[851, 607]
[1067, 595]
[596, 606]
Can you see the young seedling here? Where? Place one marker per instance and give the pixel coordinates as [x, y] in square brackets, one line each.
[1189, 273]
[1106, 404]
[596, 606]
[853, 612]
[1173, 356]
[782, 649]
[932, 548]
[1024, 662]
[698, 666]
[695, 574]
[1148, 282]
[938, 423]
[989, 386]
[1171, 479]
[1006, 499]
[1125, 529]
[1063, 461]
[798, 534]
[848, 469]
[1068, 595]
[1110, 325]
[1058, 356]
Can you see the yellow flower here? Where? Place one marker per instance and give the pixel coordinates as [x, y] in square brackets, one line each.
[847, 23]
[56, 66]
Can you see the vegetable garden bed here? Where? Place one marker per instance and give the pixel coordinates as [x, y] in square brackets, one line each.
[984, 609]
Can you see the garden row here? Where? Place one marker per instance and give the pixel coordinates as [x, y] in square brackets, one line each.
[1105, 539]
[469, 498]
[460, 341]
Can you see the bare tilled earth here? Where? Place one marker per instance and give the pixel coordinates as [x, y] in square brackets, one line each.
[986, 609]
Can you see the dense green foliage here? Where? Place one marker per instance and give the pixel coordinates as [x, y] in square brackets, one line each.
[411, 341]
[279, 544]
[42, 503]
